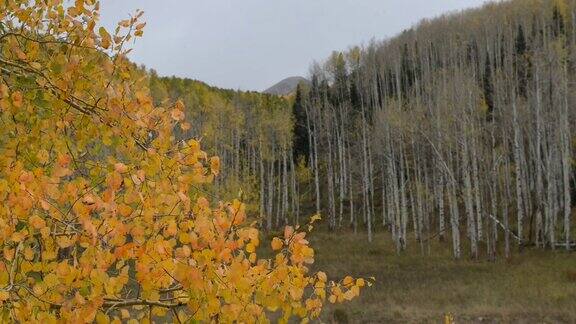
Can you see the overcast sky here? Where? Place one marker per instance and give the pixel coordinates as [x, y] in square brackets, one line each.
[252, 44]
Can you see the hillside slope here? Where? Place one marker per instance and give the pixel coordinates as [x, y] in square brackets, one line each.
[251, 132]
[461, 127]
[286, 86]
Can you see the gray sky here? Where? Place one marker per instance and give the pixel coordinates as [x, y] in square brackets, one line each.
[252, 44]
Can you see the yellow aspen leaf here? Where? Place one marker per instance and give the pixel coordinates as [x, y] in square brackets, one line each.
[64, 160]
[184, 238]
[194, 145]
[185, 126]
[203, 202]
[44, 204]
[8, 253]
[43, 156]
[48, 255]
[179, 105]
[4, 91]
[17, 99]
[124, 23]
[91, 229]
[107, 65]
[114, 180]
[321, 292]
[37, 222]
[349, 295]
[104, 37]
[135, 179]
[355, 291]
[4, 295]
[102, 318]
[64, 242]
[296, 293]
[299, 238]
[45, 232]
[28, 253]
[39, 289]
[315, 218]
[277, 244]
[88, 200]
[20, 54]
[141, 175]
[347, 281]
[250, 248]
[120, 167]
[177, 114]
[125, 313]
[124, 210]
[215, 165]
[171, 229]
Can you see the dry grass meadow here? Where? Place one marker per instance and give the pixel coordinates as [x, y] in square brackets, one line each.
[532, 287]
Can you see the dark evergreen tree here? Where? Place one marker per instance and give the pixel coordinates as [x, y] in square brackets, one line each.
[558, 27]
[340, 86]
[488, 88]
[407, 71]
[521, 62]
[521, 45]
[301, 145]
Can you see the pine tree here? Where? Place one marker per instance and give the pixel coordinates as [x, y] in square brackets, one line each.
[301, 145]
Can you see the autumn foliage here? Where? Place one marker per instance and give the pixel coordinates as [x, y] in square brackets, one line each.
[102, 213]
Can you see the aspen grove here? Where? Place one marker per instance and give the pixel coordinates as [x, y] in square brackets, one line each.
[461, 128]
[458, 129]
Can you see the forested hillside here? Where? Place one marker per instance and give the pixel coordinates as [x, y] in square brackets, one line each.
[461, 128]
[286, 87]
[251, 133]
[458, 129]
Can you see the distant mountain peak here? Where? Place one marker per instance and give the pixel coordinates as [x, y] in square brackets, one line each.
[286, 86]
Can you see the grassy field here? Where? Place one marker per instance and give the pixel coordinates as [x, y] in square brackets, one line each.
[532, 287]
